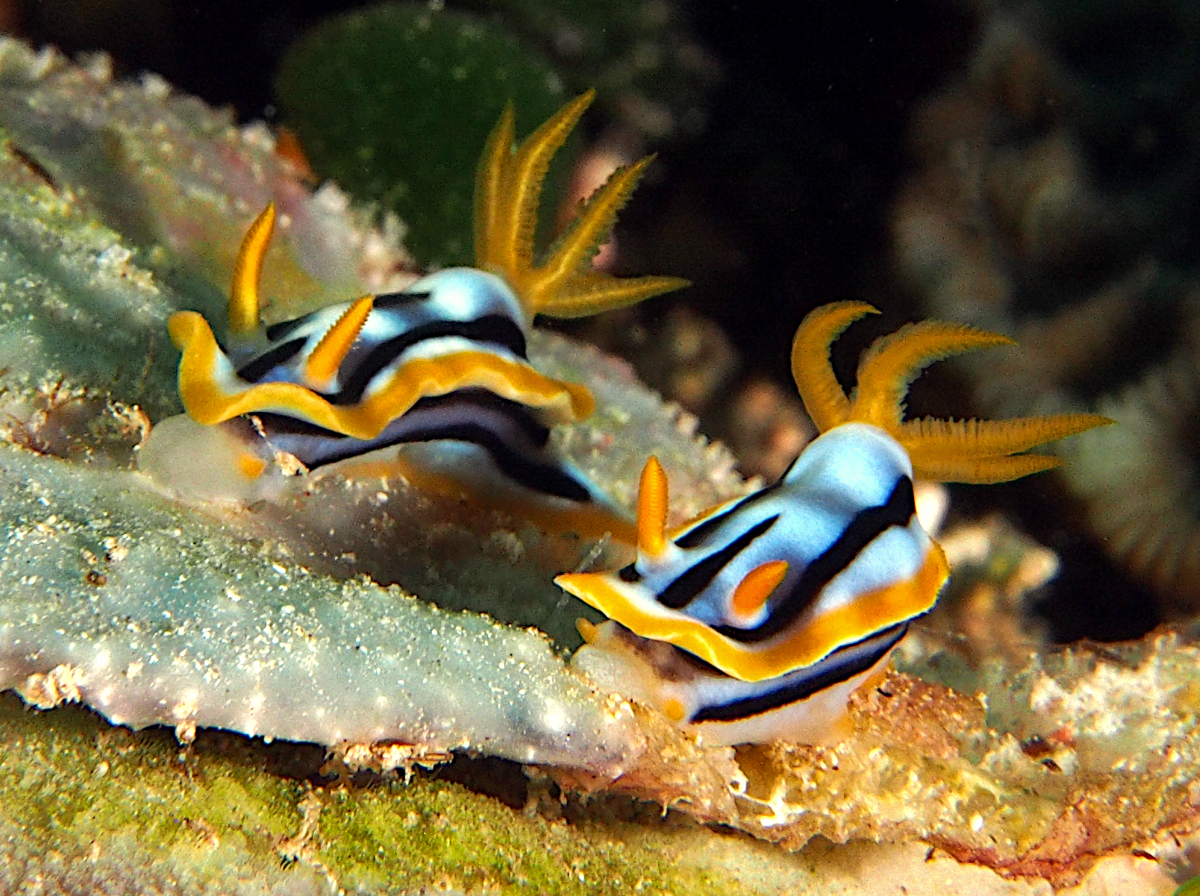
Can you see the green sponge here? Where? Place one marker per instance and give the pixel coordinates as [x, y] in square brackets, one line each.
[394, 102]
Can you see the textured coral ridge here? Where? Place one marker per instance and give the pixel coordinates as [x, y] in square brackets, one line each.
[149, 614]
[164, 170]
[88, 809]
[85, 808]
[1069, 758]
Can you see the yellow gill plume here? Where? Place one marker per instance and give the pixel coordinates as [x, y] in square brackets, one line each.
[975, 451]
[508, 187]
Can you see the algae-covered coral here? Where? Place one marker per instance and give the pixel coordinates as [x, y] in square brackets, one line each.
[88, 808]
[118, 596]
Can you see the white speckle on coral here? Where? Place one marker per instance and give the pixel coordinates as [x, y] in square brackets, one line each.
[44, 62]
[155, 86]
[114, 258]
[1046, 694]
[554, 719]
[259, 135]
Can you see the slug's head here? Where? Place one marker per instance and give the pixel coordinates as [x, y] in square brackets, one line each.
[355, 367]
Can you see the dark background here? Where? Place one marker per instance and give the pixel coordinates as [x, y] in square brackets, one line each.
[792, 175]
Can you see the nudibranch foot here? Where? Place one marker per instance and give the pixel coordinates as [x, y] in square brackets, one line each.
[785, 602]
[228, 464]
[469, 445]
[808, 705]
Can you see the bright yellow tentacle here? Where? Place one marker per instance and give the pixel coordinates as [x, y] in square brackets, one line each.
[508, 185]
[594, 291]
[820, 391]
[944, 450]
[490, 179]
[983, 470]
[934, 438]
[589, 230]
[243, 294]
[526, 173]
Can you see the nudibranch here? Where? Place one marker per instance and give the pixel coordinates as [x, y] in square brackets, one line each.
[760, 618]
[442, 363]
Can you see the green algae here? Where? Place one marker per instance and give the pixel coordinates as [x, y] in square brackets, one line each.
[489, 845]
[75, 781]
[395, 101]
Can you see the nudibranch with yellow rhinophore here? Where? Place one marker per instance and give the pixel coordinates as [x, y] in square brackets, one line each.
[442, 362]
[760, 618]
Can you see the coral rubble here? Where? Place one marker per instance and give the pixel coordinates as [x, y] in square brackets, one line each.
[1060, 761]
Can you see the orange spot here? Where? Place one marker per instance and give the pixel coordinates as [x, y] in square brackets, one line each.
[250, 465]
[674, 710]
[752, 592]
